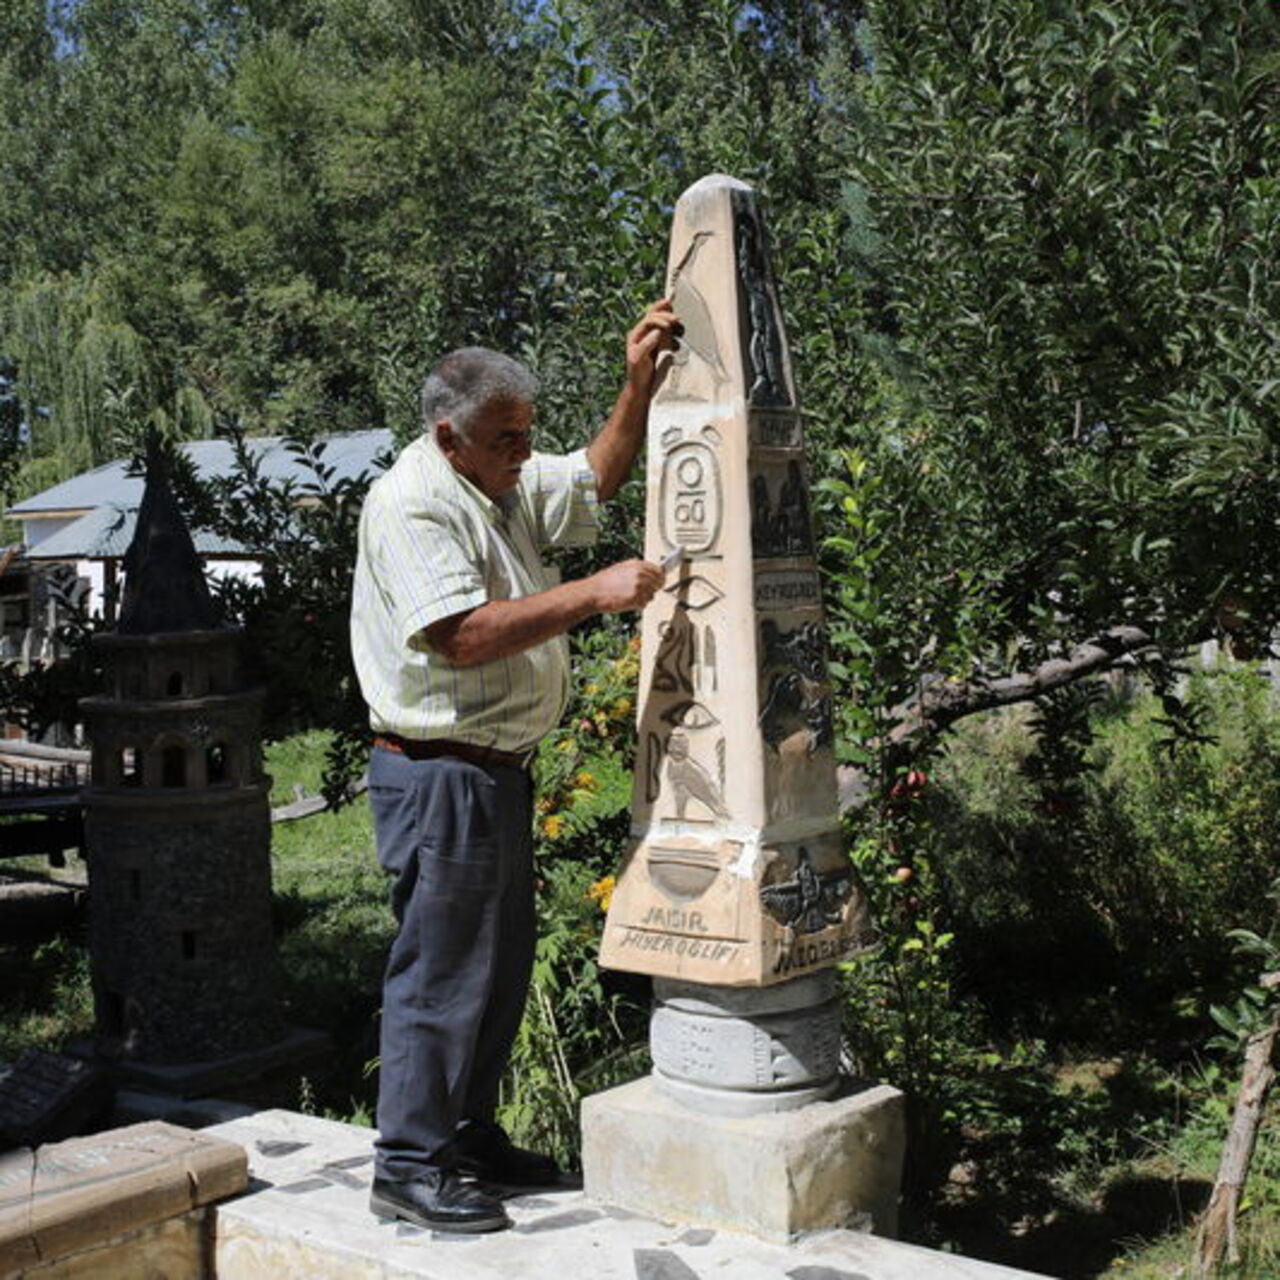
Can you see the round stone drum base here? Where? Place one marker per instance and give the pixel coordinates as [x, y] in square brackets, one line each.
[737, 1051]
[727, 1102]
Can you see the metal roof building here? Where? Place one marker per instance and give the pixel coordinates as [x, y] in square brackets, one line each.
[77, 531]
[90, 516]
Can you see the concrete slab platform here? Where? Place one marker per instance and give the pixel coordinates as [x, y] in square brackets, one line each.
[306, 1215]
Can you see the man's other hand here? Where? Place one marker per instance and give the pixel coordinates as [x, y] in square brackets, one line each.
[657, 331]
[630, 584]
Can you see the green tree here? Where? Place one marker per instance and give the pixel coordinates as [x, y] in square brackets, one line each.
[1066, 220]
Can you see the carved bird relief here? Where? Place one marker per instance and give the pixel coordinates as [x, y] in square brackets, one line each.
[689, 780]
[699, 337]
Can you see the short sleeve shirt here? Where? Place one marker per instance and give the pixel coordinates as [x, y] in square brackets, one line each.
[432, 545]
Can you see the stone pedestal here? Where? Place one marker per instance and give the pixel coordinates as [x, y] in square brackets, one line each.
[736, 893]
[829, 1164]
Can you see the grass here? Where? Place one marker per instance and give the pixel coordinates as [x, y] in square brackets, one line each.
[44, 996]
[333, 926]
[1188, 1157]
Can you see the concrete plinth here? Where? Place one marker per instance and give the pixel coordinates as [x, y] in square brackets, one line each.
[121, 1204]
[828, 1165]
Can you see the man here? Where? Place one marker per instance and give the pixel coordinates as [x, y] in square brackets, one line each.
[458, 639]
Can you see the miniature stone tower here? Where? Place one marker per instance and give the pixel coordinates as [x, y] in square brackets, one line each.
[177, 820]
[736, 894]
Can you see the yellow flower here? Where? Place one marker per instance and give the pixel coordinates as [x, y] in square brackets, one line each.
[553, 825]
[602, 892]
[585, 780]
[622, 707]
[567, 744]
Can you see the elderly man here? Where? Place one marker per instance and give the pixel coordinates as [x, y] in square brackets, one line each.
[458, 639]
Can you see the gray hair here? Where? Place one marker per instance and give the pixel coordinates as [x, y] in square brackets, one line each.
[467, 380]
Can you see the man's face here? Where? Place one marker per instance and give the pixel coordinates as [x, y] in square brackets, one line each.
[499, 445]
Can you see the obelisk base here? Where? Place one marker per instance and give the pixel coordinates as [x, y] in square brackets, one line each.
[827, 1165]
[739, 1051]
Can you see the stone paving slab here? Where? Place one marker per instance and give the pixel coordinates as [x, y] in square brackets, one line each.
[66, 1198]
[306, 1214]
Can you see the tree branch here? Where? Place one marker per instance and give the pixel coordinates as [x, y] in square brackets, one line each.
[943, 703]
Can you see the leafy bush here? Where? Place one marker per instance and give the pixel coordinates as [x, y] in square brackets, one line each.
[583, 1030]
[1061, 887]
[1111, 891]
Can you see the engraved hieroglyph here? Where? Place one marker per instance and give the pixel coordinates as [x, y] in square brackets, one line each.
[737, 874]
[690, 498]
[780, 524]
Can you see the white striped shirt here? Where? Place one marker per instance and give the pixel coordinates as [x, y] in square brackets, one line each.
[432, 545]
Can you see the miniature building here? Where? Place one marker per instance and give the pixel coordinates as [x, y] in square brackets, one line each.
[178, 828]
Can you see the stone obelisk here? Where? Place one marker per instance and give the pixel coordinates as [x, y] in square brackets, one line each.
[736, 893]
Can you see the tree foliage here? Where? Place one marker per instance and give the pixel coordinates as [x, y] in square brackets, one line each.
[1067, 217]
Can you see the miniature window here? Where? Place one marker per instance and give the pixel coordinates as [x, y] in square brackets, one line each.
[173, 767]
[130, 772]
[175, 685]
[215, 763]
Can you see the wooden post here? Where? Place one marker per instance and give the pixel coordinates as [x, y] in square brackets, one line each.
[1217, 1232]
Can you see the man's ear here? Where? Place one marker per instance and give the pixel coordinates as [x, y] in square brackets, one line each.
[446, 437]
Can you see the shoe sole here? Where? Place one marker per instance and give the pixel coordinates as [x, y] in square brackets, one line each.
[389, 1212]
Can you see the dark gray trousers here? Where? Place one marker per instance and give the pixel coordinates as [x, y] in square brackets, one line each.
[456, 838]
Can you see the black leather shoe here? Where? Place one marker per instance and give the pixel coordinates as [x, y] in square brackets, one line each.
[438, 1199]
[485, 1152]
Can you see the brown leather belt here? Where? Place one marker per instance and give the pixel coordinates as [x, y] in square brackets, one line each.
[434, 748]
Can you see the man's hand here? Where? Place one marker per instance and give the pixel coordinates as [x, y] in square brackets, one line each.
[630, 584]
[657, 331]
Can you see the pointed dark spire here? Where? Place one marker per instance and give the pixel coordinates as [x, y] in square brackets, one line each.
[165, 588]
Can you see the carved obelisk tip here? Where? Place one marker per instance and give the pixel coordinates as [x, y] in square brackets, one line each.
[715, 182]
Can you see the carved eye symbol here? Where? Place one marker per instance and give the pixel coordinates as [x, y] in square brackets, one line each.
[695, 593]
[690, 715]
